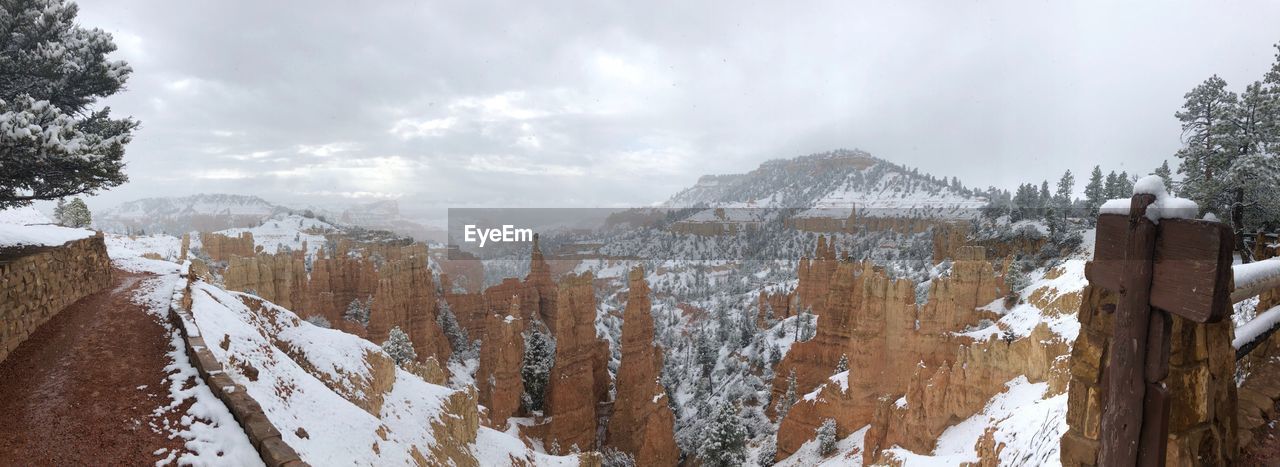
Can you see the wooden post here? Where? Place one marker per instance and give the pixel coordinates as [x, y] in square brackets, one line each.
[1126, 382]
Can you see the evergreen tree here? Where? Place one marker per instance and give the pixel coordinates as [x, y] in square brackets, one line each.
[1124, 185]
[1066, 185]
[1205, 118]
[615, 458]
[74, 214]
[319, 320]
[788, 398]
[1112, 188]
[768, 452]
[1044, 199]
[358, 311]
[724, 441]
[825, 434]
[1165, 175]
[1094, 193]
[843, 364]
[399, 347]
[54, 143]
[456, 334]
[535, 370]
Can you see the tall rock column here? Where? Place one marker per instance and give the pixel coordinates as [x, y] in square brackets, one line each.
[572, 395]
[501, 356]
[642, 422]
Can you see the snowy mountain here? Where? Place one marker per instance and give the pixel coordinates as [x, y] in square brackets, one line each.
[203, 212]
[831, 183]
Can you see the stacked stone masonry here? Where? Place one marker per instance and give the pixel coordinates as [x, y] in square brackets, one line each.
[37, 283]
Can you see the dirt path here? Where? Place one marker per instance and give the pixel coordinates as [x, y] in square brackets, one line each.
[82, 389]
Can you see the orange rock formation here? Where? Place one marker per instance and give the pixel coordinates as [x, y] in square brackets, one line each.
[642, 423]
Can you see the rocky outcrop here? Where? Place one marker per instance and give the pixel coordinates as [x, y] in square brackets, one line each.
[219, 247]
[580, 378]
[37, 283]
[395, 282]
[937, 397]
[642, 423]
[501, 356]
[874, 322]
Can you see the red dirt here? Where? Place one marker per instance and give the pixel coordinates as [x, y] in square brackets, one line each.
[70, 394]
[1265, 448]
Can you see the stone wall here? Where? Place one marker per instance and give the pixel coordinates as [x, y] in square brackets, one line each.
[37, 283]
[1202, 421]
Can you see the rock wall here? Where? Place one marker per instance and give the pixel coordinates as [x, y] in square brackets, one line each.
[501, 357]
[396, 280]
[874, 322]
[642, 423]
[1202, 423]
[37, 283]
[580, 378]
[219, 247]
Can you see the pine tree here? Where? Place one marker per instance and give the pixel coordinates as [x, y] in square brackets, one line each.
[457, 335]
[399, 347]
[724, 441]
[789, 398]
[612, 457]
[535, 370]
[1165, 175]
[1094, 193]
[1066, 185]
[54, 142]
[1044, 199]
[74, 214]
[825, 434]
[1205, 128]
[1112, 188]
[1124, 185]
[843, 364]
[358, 311]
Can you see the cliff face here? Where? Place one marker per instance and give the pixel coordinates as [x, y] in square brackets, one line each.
[580, 377]
[873, 321]
[220, 247]
[642, 423]
[396, 279]
[501, 356]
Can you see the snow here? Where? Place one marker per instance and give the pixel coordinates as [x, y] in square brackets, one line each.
[1257, 273]
[1028, 424]
[212, 435]
[1025, 316]
[126, 253]
[292, 390]
[1166, 206]
[848, 453]
[841, 378]
[1250, 331]
[285, 231]
[17, 228]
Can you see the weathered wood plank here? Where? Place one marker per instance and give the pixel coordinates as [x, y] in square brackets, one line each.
[1159, 344]
[1193, 269]
[1126, 386]
[1192, 275]
[1152, 450]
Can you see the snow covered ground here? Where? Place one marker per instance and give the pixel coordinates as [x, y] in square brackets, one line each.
[27, 226]
[286, 231]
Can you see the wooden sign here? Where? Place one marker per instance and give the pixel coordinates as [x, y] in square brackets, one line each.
[1178, 266]
[1192, 274]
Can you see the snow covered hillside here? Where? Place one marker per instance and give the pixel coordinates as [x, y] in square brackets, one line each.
[204, 212]
[337, 398]
[829, 184]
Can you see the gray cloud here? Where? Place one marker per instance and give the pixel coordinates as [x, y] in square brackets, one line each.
[623, 103]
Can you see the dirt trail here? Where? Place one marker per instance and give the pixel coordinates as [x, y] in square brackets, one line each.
[82, 389]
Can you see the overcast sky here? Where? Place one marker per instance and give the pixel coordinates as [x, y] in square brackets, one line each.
[595, 103]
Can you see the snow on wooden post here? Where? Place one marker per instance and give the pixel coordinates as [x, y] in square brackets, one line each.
[1159, 263]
